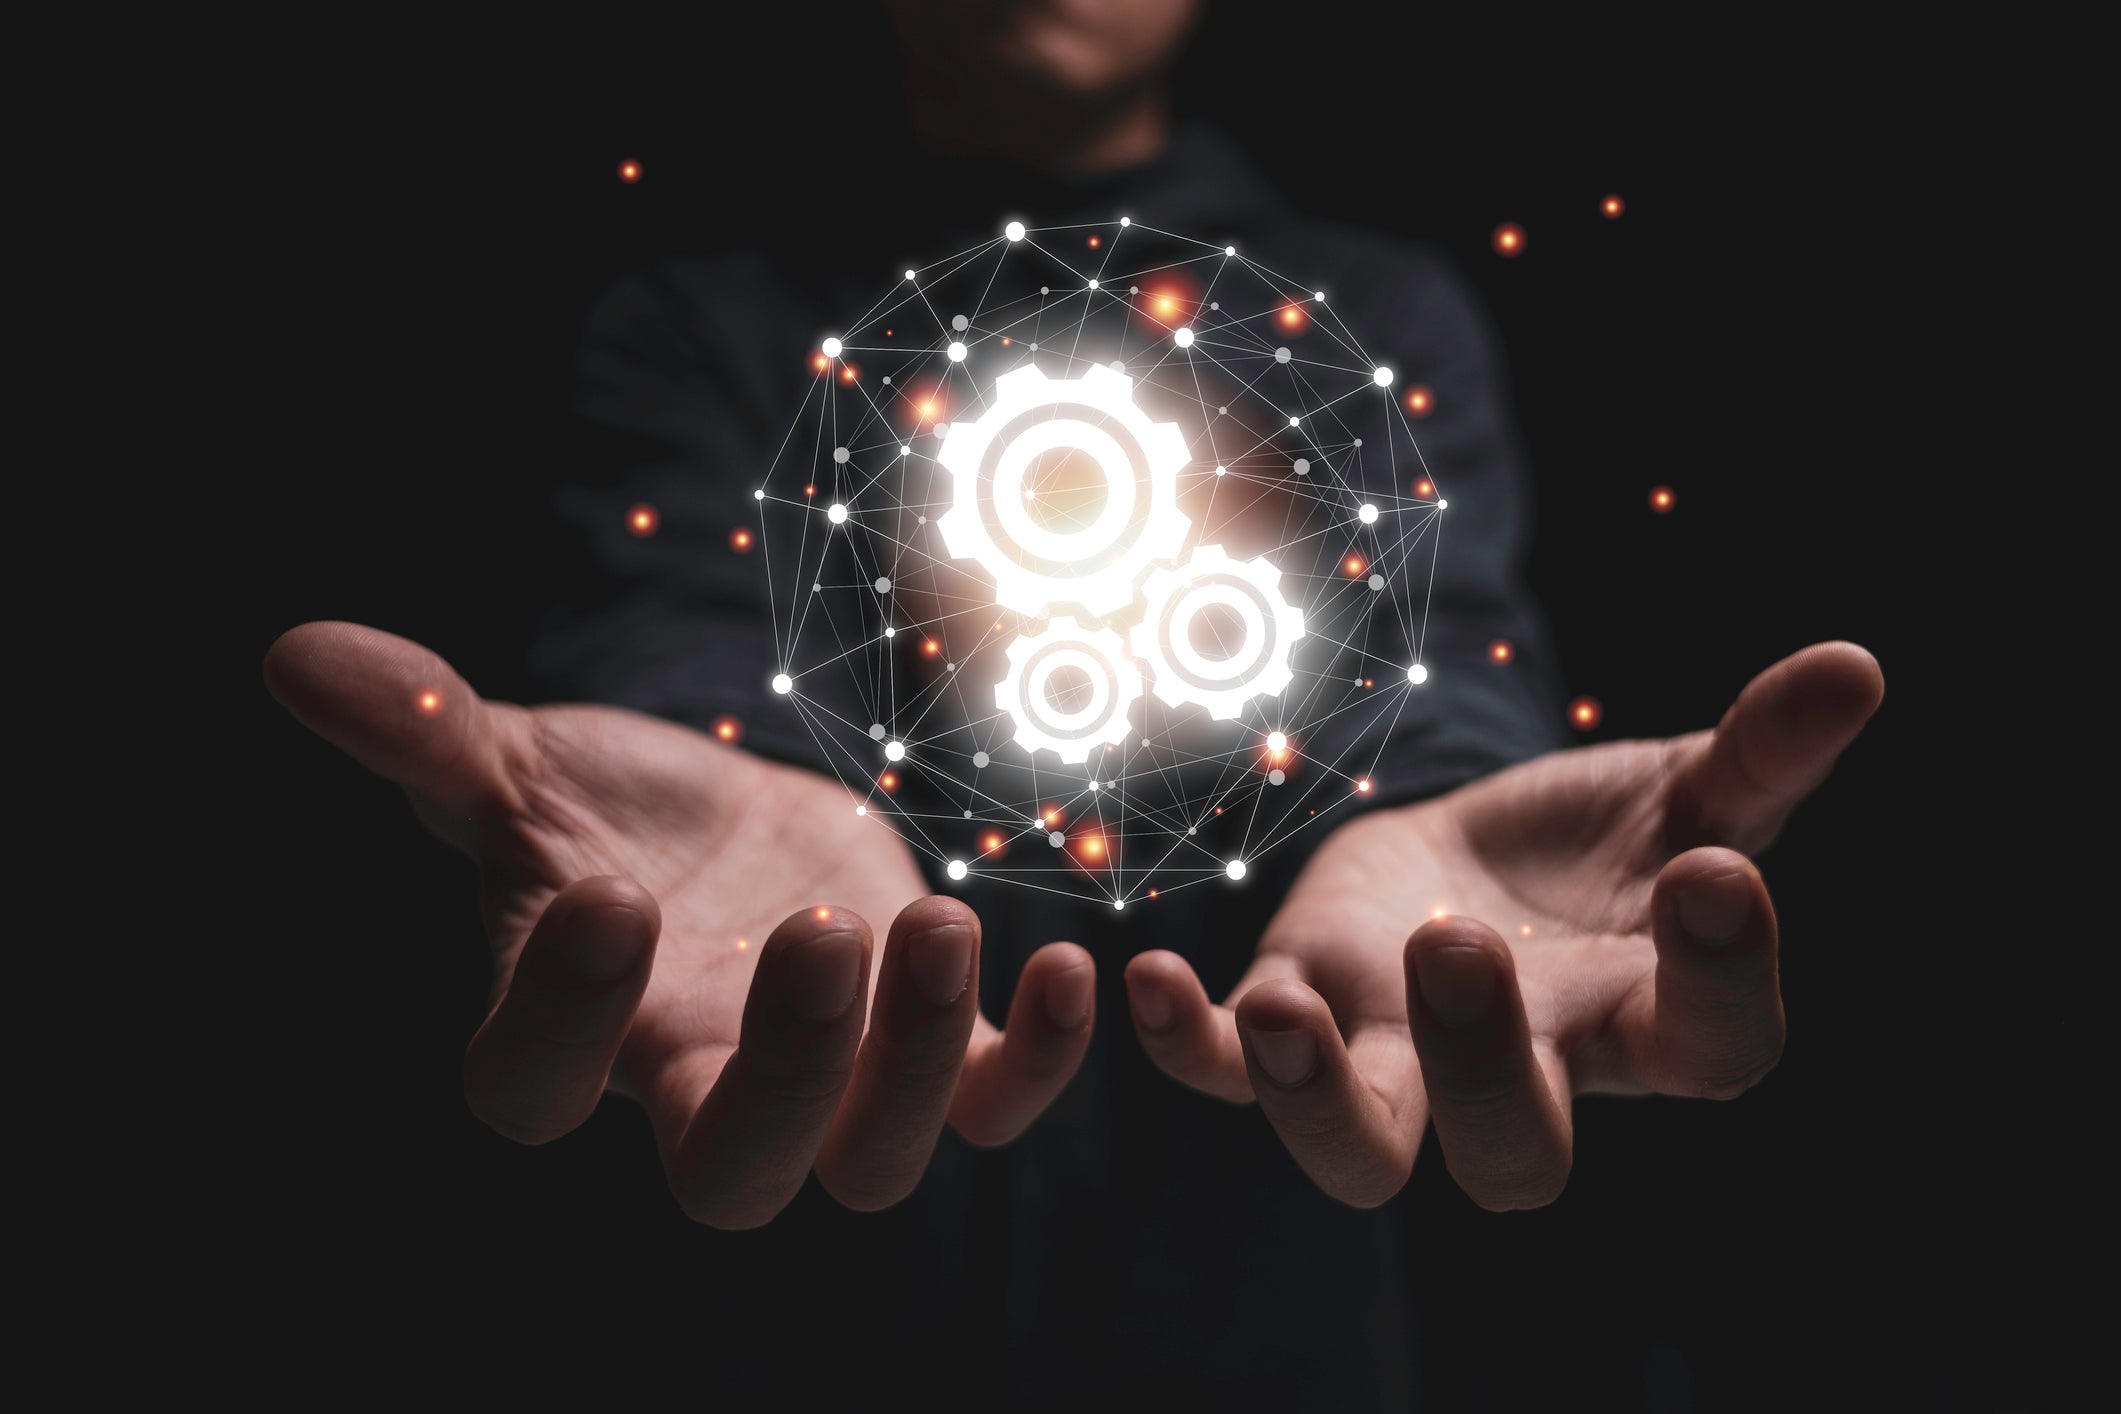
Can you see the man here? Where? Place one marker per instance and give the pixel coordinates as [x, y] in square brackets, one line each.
[622, 850]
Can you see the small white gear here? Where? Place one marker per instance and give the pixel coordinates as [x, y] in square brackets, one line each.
[1035, 567]
[1259, 667]
[1115, 685]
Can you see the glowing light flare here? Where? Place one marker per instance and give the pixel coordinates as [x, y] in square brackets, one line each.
[1500, 651]
[993, 843]
[930, 648]
[810, 490]
[1585, 713]
[889, 780]
[428, 702]
[1439, 912]
[1524, 930]
[1425, 487]
[728, 728]
[1612, 206]
[1094, 242]
[629, 171]
[819, 364]
[1509, 240]
[741, 540]
[821, 913]
[1662, 500]
[1353, 566]
[849, 373]
[1052, 816]
[1093, 846]
[1292, 319]
[742, 943]
[1420, 401]
[643, 520]
[1363, 786]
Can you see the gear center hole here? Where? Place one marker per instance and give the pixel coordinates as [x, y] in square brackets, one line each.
[1064, 490]
[1217, 632]
[1068, 689]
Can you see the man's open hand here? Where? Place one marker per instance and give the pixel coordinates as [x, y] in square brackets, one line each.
[689, 925]
[1594, 925]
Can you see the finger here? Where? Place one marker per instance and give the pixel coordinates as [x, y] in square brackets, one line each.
[1776, 744]
[754, 1138]
[1712, 1024]
[537, 1067]
[1500, 1104]
[1353, 1126]
[1011, 1075]
[907, 1069]
[396, 708]
[1190, 1038]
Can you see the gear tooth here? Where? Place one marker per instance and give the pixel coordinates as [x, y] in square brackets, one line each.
[1168, 446]
[1099, 375]
[950, 525]
[956, 453]
[1026, 377]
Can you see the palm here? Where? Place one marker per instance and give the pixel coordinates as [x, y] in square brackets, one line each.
[1591, 924]
[675, 919]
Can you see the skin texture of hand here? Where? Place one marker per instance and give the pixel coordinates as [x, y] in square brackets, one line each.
[621, 859]
[1599, 928]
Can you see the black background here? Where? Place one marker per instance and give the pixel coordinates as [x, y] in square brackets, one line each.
[1751, 333]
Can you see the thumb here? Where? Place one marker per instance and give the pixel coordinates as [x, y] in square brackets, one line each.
[399, 710]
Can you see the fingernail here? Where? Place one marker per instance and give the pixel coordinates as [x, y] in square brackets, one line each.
[1713, 910]
[606, 943]
[826, 971]
[1287, 1056]
[1152, 1007]
[940, 962]
[1457, 983]
[1068, 996]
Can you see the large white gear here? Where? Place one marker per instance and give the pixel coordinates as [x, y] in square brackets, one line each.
[1115, 685]
[1260, 665]
[1036, 568]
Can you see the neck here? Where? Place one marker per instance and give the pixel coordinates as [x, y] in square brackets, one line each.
[1074, 137]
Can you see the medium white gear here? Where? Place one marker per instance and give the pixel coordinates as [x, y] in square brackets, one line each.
[1115, 685]
[1260, 666]
[1036, 568]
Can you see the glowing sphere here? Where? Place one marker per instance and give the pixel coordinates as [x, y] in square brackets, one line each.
[1183, 338]
[782, 682]
[1368, 514]
[832, 347]
[1382, 377]
[957, 351]
[1417, 675]
[894, 751]
[1235, 869]
[1015, 232]
[836, 513]
[956, 868]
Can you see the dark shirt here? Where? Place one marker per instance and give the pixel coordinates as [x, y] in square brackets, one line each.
[1140, 1239]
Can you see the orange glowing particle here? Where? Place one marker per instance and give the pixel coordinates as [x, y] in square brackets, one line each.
[1165, 304]
[728, 728]
[642, 520]
[931, 648]
[1218, 810]
[1292, 318]
[1095, 242]
[1093, 846]
[1420, 401]
[1353, 565]
[1439, 912]
[1509, 239]
[1005, 341]
[1152, 893]
[810, 490]
[1662, 500]
[1612, 206]
[991, 841]
[889, 780]
[822, 913]
[1366, 682]
[1524, 930]
[1585, 713]
[820, 363]
[629, 171]
[1362, 787]
[887, 333]
[1052, 817]
[1500, 651]
[742, 943]
[740, 540]
[848, 373]
[429, 702]
[927, 408]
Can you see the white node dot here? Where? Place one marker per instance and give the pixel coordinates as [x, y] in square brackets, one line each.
[1368, 514]
[910, 275]
[883, 584]
[1381, 377]
[1118, 367]
[1277, 741]
[782, 683]
[1443, 505]
[1222, 471]
[1093, 785]
[1281, 355]
[816, 588]
[941, 429]
[832, 347]
[905, 451]
[1093, 284]
[876, 731]
[957, 869]
[1215, 304]
[1417, 675]
[887, 380]
[1320, 296]
[1045, 289]
[890, 631]
[1224, 412]
[1235, 868]
[1377, 581]
[1294, 420]
[1034, 348]
[1229, 250]
[922, 520]
[1358, 441]
[960, 323]
[1276, 776]
[1183, 338]
[758, 495]
[840, 455]
[1303, 464]
[1014, 230]
[894, 751]
[861, 810]
[1118, 905]
[957, 351]
[836, 513]
[1056, 839]
[1134, 289]
[968, 815]
[980, 759]
[1126, 220]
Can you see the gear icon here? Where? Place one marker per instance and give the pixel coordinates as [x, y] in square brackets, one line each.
[1032, 418]
[1259, 664]
[1028, 693]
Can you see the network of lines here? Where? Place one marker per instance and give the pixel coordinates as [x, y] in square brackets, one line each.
[1100, 560]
